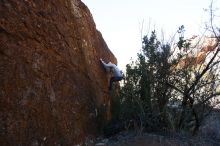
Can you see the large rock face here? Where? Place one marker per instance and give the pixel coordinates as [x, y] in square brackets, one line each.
[52, 85]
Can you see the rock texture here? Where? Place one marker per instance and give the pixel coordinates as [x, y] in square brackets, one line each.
[199, 50]
[53, 90]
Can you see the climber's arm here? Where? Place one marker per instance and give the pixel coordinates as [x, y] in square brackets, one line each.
[107, 65]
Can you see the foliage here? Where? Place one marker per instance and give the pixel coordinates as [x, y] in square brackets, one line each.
[171, 87]
[196, 82]
[162, 77]
[144, 96]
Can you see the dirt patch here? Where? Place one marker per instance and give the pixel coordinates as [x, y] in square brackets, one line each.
[130, 139]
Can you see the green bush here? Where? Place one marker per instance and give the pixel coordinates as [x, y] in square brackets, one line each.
[156, 80]
[141, 103]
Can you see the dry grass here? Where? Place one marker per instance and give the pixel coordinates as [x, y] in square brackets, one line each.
[208, 135]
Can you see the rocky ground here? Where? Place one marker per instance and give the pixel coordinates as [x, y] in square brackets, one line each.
[208, 135]
[147, 139]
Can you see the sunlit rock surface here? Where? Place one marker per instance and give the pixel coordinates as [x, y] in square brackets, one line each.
[53, 90]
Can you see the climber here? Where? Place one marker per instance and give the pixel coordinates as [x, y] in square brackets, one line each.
[116, 73]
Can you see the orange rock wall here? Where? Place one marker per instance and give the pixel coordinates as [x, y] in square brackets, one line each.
[51, 80]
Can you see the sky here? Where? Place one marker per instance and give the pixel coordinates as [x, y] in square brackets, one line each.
[123, 23]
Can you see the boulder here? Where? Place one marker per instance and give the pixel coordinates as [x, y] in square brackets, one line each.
[53, 89]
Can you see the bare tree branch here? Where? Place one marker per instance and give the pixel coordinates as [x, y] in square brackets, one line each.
[204, 71]
[174, 87]
[208, 98]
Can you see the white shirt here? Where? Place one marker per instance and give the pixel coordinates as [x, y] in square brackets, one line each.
[115, 70]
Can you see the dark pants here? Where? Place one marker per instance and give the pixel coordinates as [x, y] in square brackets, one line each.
[114, 79]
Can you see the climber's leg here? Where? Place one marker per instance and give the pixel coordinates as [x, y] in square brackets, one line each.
[111, 82]
[114, 79]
